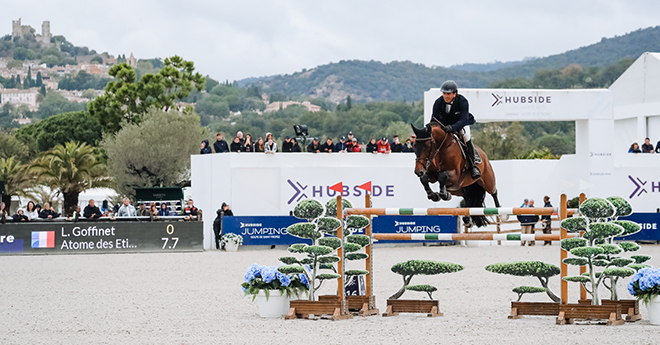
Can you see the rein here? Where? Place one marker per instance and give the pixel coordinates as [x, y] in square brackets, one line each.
[434, 148]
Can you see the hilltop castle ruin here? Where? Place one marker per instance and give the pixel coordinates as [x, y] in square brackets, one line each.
[19, 30]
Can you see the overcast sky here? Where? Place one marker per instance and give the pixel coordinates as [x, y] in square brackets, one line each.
[245, 38]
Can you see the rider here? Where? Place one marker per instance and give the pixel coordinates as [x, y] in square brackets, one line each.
[451, 110]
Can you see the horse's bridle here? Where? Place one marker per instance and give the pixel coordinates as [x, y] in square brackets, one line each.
[434, 149]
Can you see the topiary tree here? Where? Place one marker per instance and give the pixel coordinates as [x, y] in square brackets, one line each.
[320, 253]
[597, 250]
[355, 243]
[411, 268]
[541, 270]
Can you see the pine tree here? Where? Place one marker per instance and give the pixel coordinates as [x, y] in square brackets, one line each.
[349, 105]
[28, 80]
[43, 90]
[19, 84]
[40, 81]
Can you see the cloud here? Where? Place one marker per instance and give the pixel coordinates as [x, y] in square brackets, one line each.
[239, 39]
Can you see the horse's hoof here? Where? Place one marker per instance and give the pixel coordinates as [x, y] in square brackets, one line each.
[467, 221]
[445, 197]
[434, 196]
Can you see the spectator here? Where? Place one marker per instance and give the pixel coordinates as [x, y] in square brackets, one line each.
[205, 147]
[236, 145]
[4, 214]
[126, 210]
[287, 145]
[247, 145]
[634, 148]
[271, 145]
[31, 211]
[164, 211]
[647, 147]
[294, 145]
[396, 145]
[371, 146]
[408, 147]
[48, 212]
[546, 220]
[383, 146]
[353, 146]
[350, 137]
[328, 146]
[108, 213]
[657, 147]
[220, 146]
[525, 225]
[259, 146]
[239, 135]
[217, 223]
[191, 211]
[412, 139]
[142, 210]
[532, 220]
[104, 206]
[153, 211]
[341, 146]
[314, 146]
[20, 216]
[91, 211]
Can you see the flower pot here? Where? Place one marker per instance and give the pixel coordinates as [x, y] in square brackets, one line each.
[231, 246]
[276, 305]
[654, 310]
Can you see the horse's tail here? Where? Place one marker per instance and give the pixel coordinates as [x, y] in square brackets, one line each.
[474, 196]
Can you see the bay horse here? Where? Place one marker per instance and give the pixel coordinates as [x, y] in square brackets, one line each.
[439, 159]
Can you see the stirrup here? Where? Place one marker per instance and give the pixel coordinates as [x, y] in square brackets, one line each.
[477, 171]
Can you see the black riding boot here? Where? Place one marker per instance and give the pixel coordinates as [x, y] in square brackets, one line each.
[474, 160]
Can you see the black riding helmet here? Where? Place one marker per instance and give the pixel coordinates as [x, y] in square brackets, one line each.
[449, 86]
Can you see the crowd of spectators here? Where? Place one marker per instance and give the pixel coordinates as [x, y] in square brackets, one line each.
[34, 212]
[647, 147]
[244, 143]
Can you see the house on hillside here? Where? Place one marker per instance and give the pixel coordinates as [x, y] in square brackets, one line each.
[18, 96]
[275, 106]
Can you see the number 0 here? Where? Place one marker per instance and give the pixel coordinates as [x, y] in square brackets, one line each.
[170, 229]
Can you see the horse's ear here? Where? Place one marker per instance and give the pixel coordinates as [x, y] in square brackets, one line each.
[415, 129]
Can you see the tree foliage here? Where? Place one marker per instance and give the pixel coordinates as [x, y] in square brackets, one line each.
[71, 169]
[144, 154]
[127, 99]
[77, 126]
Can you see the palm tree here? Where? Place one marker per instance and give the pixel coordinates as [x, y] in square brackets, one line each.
[71, 169]
[16, 178]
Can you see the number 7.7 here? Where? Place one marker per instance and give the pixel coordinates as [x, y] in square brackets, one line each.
[175, 239]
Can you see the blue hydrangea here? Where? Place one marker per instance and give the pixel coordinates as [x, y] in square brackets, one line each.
[303, 279]
[253, 271]
[646, 278]
[268, 273]
[284, 279]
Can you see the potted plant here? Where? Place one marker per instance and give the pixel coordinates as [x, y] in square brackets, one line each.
[272, 289]
[231, 241]
[408, 270]
[645, 286]
[542, 271]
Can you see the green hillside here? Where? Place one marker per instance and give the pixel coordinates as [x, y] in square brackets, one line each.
[398, 81]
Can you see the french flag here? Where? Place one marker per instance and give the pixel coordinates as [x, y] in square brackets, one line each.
[43, 239]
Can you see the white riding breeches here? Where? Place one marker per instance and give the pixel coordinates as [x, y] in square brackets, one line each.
[466, 133]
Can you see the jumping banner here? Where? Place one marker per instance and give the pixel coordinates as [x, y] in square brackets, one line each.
[269, 231]
[650, 229]
[100, 237]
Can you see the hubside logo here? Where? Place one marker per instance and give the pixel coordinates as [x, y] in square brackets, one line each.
[639, 186]
[499, 99]
[303, 191]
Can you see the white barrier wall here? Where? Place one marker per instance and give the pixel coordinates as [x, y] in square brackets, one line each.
[260, 184]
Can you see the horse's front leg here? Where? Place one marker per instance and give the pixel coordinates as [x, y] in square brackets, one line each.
[430, 194]
[442, 179]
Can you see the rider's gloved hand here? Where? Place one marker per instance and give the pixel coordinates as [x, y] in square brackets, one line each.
[449, 129]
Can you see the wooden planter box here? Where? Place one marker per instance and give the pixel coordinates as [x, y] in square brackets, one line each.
[396, 306]
[630, 307]
[304, 308]
[357, 304]
[533, 308]
[569, 312]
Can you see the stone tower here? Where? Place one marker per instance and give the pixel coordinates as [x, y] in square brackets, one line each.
[16, 28]
[45, 32]
[132, 61]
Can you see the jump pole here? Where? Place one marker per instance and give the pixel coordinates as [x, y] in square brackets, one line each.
[562, 253]
[583, 269]
[477, 211]
[340, 253]
[369, 264]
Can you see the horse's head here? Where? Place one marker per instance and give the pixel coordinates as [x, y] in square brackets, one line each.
[423, 146]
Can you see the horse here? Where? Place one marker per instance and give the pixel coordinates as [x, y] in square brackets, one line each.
[439, 158]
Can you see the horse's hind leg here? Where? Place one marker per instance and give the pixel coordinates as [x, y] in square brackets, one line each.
[495, 199]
